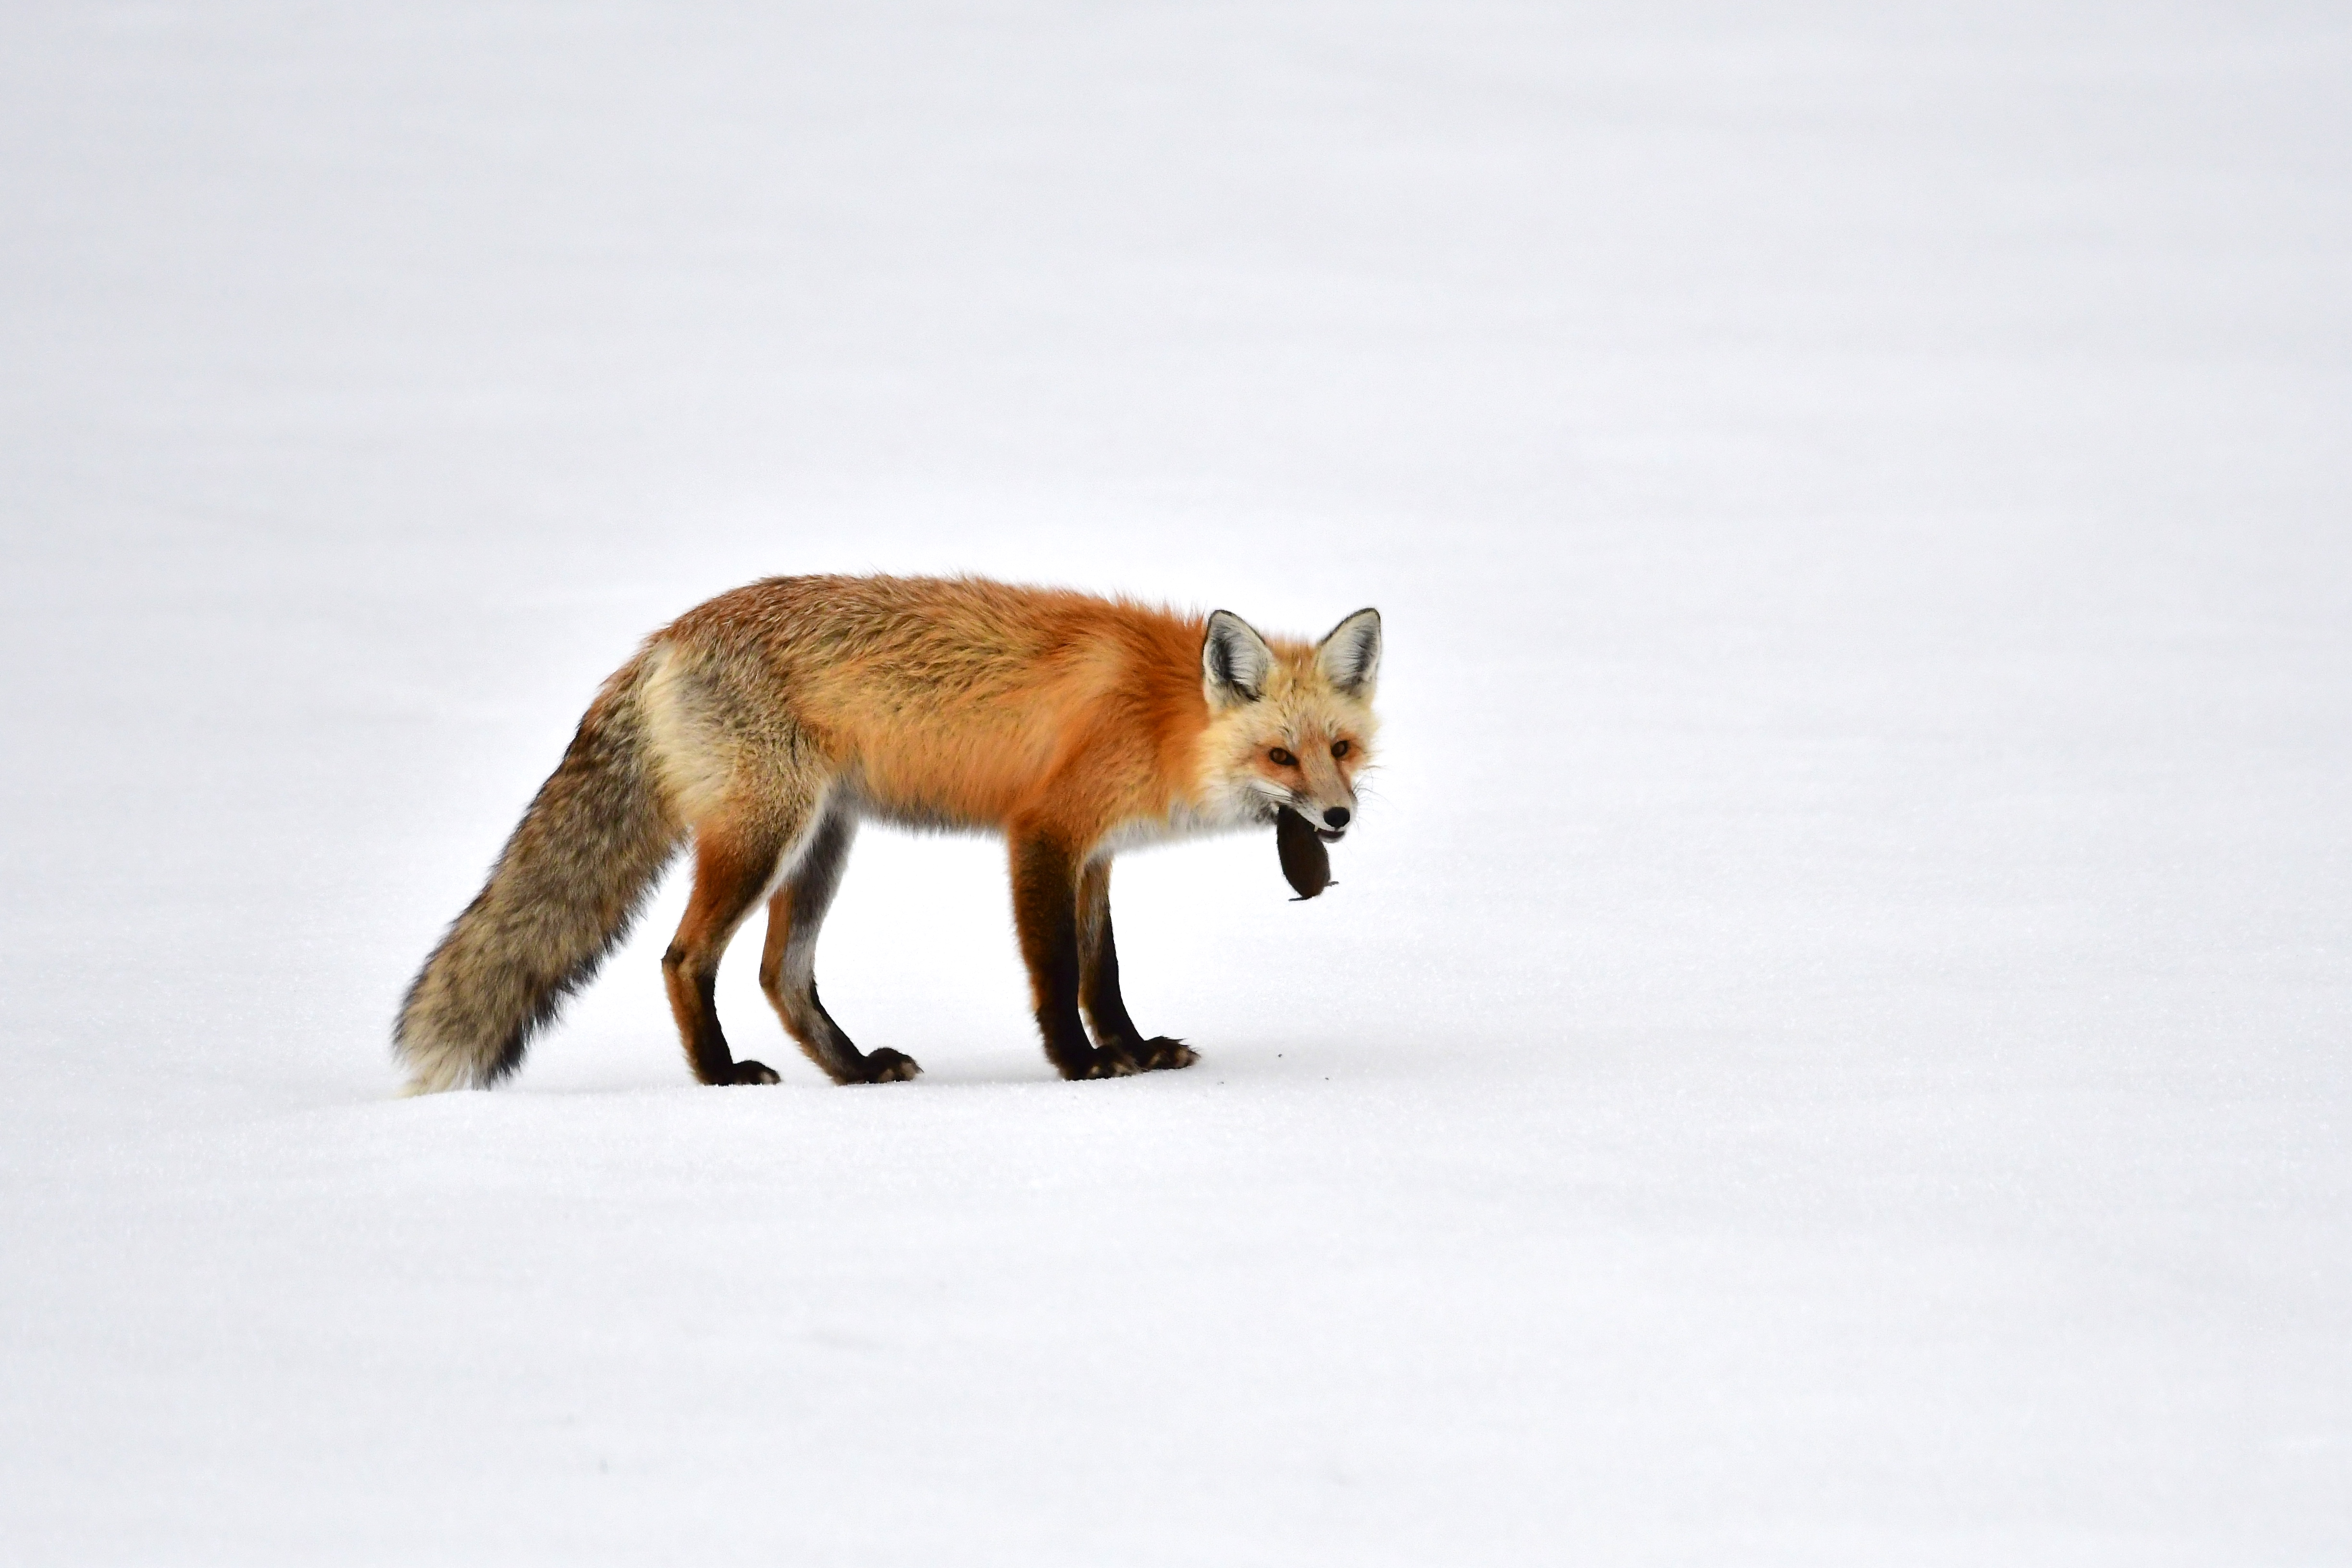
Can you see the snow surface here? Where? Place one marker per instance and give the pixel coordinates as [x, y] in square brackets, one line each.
[1830, 1044]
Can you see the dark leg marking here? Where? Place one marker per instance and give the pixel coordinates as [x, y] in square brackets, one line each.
[788, 962]
[1098, 981]
[729, 874]
[1045, 912]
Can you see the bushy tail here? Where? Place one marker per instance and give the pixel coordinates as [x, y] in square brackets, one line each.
[565, 890]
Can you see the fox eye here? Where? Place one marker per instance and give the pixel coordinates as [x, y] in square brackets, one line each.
[1281, 759]
[1340, 748]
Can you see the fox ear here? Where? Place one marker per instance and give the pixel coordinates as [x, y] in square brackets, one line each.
[1349, 656]
[1234, 659]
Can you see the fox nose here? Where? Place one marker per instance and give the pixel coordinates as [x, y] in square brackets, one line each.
[1337, 817]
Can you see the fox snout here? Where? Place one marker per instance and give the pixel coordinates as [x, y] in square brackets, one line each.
[1321, 794]
[1330, 823]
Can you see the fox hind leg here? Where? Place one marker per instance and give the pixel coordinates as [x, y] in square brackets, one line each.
[788, 960]
[734, 859]
[1098, 981]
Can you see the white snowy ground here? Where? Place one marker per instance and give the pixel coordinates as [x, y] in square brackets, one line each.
[1831, 1043]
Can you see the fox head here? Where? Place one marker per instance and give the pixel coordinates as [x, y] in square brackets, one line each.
[1288, 725]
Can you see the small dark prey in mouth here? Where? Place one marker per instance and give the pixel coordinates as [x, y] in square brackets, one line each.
[1306, 864]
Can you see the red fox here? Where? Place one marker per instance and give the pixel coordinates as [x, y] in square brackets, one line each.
[768, 722]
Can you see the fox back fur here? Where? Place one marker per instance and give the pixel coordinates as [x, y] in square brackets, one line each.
[766, 723]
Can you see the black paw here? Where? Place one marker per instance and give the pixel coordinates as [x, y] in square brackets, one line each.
[1159, 1054]
[753, 1072]
[887, 1066]
[1101, 1064]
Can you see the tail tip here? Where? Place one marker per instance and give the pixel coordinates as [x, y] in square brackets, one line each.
[437, 1071]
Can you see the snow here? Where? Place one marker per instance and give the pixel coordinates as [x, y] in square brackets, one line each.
[1829, 1046]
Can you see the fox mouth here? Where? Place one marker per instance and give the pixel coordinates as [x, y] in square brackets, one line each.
[1314, 819]
[1270, 809]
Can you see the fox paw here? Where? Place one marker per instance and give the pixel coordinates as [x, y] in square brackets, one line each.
[1162, 1054]
[887, 1066]
[753, 1072]
[1102, 1064]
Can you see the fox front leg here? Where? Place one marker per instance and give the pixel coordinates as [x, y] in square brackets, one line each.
[1045, 912]
[1098, 980]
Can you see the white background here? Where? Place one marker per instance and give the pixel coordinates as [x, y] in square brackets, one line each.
[1829, 1045]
